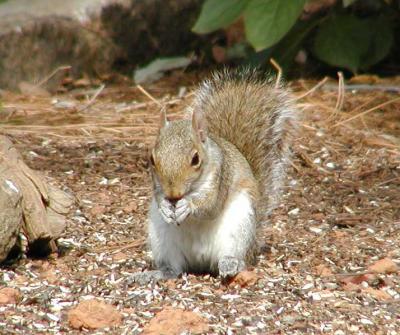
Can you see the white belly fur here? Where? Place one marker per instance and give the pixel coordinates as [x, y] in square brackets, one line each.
[196, 246]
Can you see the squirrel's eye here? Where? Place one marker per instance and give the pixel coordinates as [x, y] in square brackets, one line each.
[195, 159]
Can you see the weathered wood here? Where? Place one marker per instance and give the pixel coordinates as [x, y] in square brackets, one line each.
[32, 47]
[10, 216]
[42, 207]
[112, 34]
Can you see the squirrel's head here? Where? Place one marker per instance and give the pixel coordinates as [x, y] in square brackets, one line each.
[178, 156]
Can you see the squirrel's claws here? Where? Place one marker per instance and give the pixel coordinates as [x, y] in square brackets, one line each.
[182, 210]
[167, 211]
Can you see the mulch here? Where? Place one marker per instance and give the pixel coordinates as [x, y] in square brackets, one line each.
[339, 214]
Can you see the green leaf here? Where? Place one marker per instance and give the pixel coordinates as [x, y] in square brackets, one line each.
[349, 42]
[267, 21]
[341, 42]
[347, 3]
[381, 41]
[285, 51]
[217, 14]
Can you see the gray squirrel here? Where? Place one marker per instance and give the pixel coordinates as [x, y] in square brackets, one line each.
[217, 174]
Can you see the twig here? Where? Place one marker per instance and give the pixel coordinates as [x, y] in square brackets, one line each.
[147, 94]
[307, 126]
[307, 160]
[367, 111]
[380, 142]
[395, 152]
[312, 90]
[146, 104]
[278, 69]
[362, 105]
[122, 246]
[388, 181]
[348, 274]
[77, 125]
[52, 74]
[93, 98]
[365, 87]
[295, 167]
[340, 97]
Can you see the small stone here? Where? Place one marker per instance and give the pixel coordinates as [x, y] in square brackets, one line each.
[288, 319]
[385, 265]
[261, 325]
[103, 181]
[64, 104]
[244, 279]
[307, 286]
[294, 212]
[176, 321]
[9, 295]
[316, 296]
[339, 332]
[330, 165]
[113, 181]
[366, 321]
[315, 230]
[94, 314]
[230, 296]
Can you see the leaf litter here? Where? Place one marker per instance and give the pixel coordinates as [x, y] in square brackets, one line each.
[329, 258]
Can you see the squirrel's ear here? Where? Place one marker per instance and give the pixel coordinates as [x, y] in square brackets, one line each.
[163, 117]
[199, 125]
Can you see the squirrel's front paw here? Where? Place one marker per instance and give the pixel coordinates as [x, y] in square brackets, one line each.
[167, 211]
[183, 209]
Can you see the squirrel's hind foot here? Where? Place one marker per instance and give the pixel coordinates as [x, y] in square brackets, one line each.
[229, 267]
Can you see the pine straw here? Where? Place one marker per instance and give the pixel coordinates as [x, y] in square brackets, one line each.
[340, 213]
[117, 112]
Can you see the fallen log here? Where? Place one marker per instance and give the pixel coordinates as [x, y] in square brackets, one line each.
[28, 205]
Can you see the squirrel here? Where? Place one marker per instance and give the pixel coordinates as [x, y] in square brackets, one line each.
[216, 174]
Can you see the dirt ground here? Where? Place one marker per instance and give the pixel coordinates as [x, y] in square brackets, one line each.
[319, 270]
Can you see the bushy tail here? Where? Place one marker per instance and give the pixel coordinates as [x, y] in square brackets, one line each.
[258, 118]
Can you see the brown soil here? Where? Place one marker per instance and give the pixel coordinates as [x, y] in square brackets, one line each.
[340, 214]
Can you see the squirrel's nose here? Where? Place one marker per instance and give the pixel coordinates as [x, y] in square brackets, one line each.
[174, 200]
